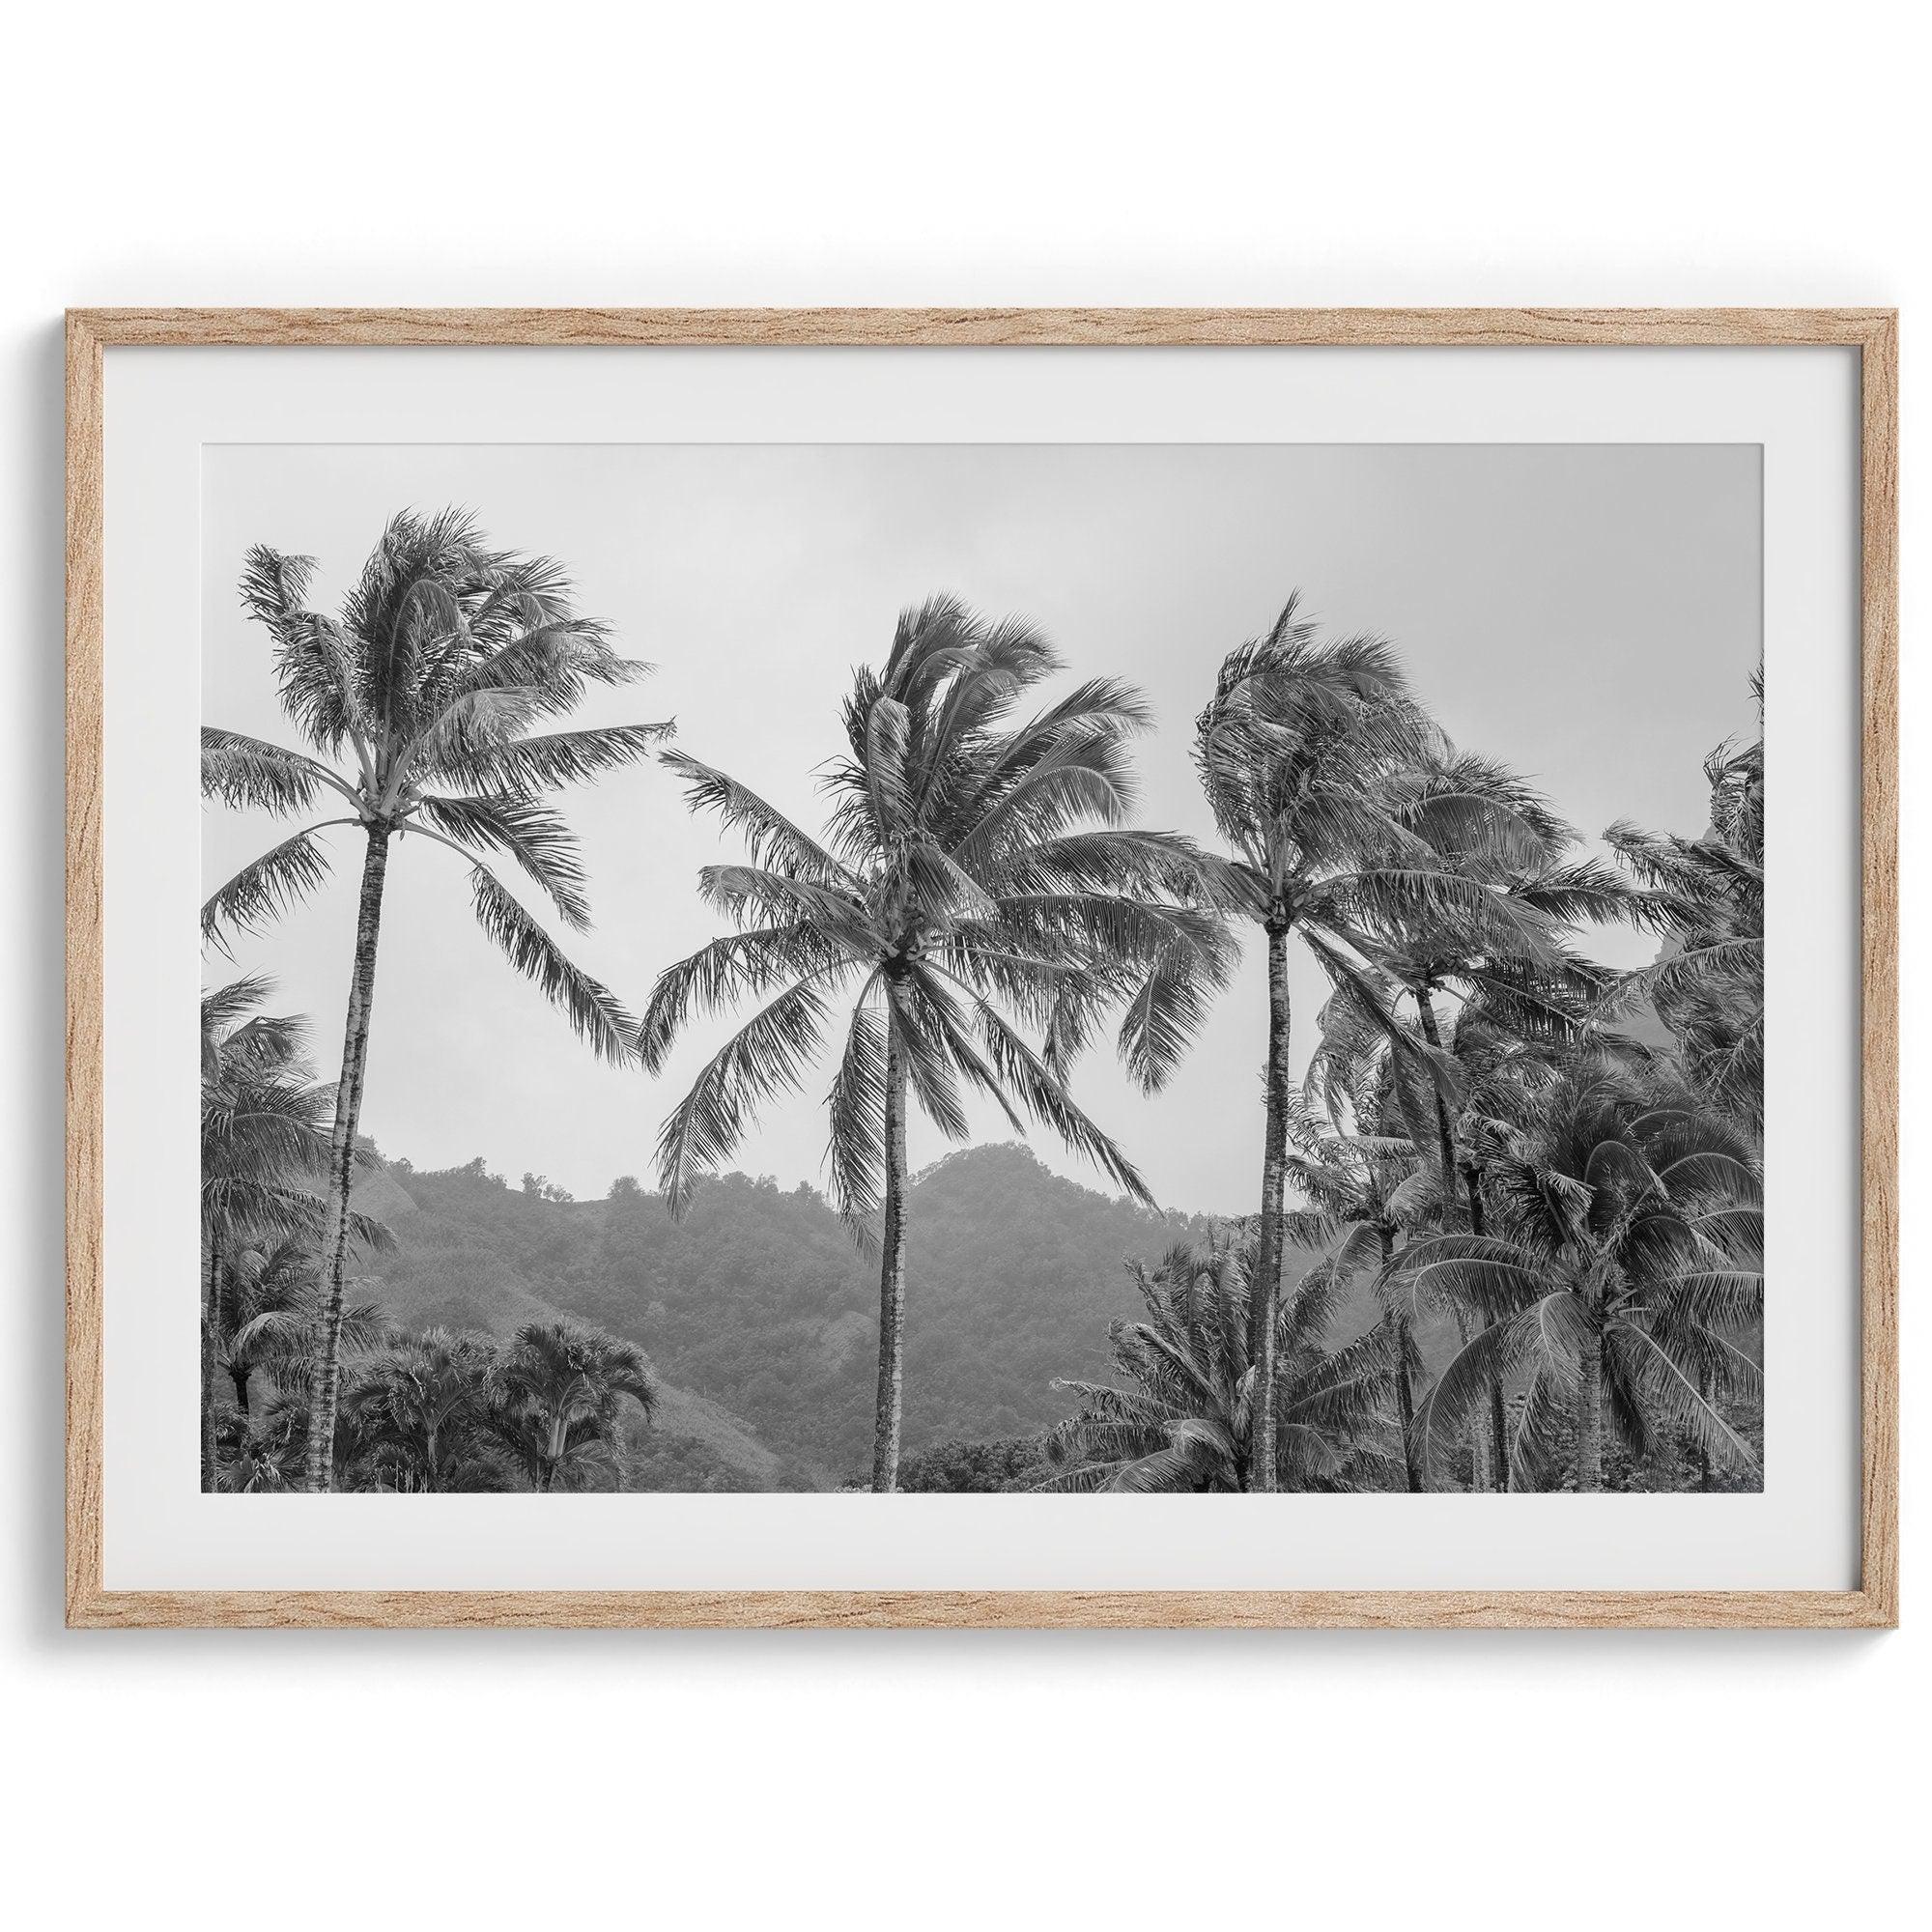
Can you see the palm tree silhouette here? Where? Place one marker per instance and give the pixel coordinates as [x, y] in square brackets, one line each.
[421, 694]
[1309, 754]
[977, 878]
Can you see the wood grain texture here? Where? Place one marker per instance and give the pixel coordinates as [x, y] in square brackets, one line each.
[1875, 1603]
[86, 1008]
[1879, 944]
[980, 1610]
[969, 327]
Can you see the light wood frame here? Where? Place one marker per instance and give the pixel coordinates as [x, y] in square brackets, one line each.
[1873, 332]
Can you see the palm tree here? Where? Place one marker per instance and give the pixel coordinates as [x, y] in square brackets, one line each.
[419, 696]
[271, 1310]
[1181, 1417]
[555, 1393]
[264, 1143]
[1314, 763]
[1367, 1192]
[977, 879]
[270, 1456]
[1629, 1244]
[1515, 967]
[1707, 895]
[418, 1417]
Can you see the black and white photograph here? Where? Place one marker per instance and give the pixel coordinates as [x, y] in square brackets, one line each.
[1053, 969]
[1050, 879]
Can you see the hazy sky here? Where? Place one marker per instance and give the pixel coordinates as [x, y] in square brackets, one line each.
[1589, 613]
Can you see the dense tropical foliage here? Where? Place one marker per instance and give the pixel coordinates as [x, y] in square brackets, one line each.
[1508, 1232]
[1184, 1413]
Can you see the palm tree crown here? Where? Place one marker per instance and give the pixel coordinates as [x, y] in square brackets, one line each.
[421, 694]
[264, 1121]
[975, 879]
[555, 1393]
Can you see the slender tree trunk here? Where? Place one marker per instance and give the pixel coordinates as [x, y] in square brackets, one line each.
[1264, 1296]
[1492, 1457]
[553, 1448]
[891, 1277]
[327, 1375]
[210, 1315]
[1703, 1441]
[1472, 1187]
[1405, 1388]
[1445, 1138]
[239, 1376]
[1590, 1411]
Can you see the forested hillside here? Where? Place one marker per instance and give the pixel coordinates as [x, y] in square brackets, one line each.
[756, 1301]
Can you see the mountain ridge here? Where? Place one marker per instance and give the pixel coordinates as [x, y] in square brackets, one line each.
[760, 1314]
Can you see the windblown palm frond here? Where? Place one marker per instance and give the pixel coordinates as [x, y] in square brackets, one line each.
[1706, 897]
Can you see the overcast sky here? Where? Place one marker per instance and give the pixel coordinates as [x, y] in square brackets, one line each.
[1589, 613]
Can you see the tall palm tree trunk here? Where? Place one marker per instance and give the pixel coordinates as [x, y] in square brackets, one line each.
[891, 1275]
[210, 1315]
[1492, 1469]
[1590, 1409]
[1445, 1138]
[327, 1372]
[1265, 1296]
[1405, 1387]
[1704, 1442]
[1499, 1423]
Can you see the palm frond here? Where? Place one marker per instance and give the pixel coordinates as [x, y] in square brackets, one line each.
[535, 837]
[855, 1151]
[595, 1014]
[735, 966]
[770, 837]
[267, 887]
[765, 1056]
[244, 772]
[552, 759]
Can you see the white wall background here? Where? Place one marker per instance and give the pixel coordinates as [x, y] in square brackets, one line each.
[492, 152]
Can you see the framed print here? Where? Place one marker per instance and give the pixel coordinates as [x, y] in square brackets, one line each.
[987, 967]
